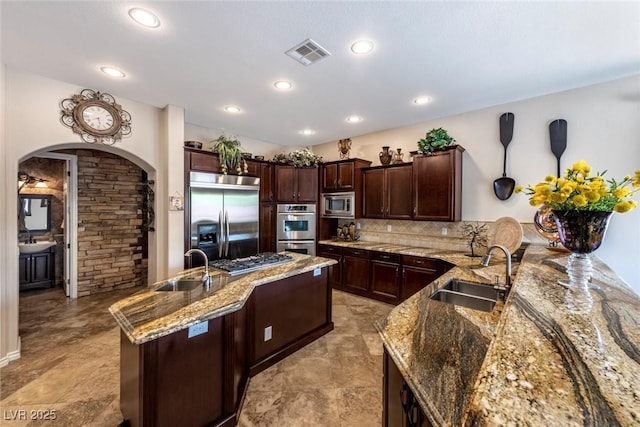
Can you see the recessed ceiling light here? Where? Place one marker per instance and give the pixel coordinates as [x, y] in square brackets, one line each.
[308, 132]
[112, 72]
[144, 17]
[354, 119]
[283, 85]
[362, 47]
[231, 109]
[421, 100]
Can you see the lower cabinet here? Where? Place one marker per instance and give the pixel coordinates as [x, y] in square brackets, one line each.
[355, 270]
[200, 378]
[335, 270]
[417, 272]
[383, 276]
[37, 270]
[176, 379]
[286, 315]
[399, 405]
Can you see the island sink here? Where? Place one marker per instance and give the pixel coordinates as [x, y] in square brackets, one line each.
[184, 284]
[473, 295]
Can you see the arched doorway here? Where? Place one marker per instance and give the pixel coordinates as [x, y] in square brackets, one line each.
[107, 196]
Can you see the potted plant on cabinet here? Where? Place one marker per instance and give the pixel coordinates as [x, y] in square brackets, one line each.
[228, 148]
[434, 140]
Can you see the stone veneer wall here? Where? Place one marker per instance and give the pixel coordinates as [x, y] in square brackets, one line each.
[110, 235]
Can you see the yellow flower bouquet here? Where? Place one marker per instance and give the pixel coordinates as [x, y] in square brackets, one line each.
[578, 190]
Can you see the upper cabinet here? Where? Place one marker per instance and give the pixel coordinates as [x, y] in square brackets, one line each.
[437, 185]
[343, 175]
[387, 192]
[267, 187]
[296, 185]
[201, 161]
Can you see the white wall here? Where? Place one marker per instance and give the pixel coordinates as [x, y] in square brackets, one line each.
[603, 128]
[31, 118]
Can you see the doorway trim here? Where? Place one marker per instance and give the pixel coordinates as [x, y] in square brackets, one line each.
[70, 219]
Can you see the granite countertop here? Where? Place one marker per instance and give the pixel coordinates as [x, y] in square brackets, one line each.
[150, 314]
[532, 360]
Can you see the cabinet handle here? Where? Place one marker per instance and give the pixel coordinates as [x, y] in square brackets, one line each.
[415, 211]
[293, 195]
[413, 414]
[385, 256]
[339, 183]
[404, 396]
[298, 194]
[419, 262]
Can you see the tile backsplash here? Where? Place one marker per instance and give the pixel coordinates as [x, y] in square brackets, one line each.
[428, 234]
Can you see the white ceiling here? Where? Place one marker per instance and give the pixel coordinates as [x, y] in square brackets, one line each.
[206, 54]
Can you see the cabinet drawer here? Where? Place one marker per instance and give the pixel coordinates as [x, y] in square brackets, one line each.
[328, 249]
[359, 253]
[385, 256]
[421, 262]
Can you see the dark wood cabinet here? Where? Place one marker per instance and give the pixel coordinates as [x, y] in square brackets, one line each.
[335, 270]
[437, 193]
[385, 276]
[296, 185]
[400, 407]
[267, 178]
[37, 270]
[355, 270]
[175, 379]
[202, 161]
[387, 192]
[342, 175]
[277, 332]
[198, 376]
[267, 214]
[417, 272]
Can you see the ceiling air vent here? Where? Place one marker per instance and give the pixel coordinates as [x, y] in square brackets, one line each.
[308, 52]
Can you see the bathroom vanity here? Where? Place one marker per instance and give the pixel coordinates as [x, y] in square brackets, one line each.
[37, 268]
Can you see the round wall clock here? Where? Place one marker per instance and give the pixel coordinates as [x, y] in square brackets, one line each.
[96, 117]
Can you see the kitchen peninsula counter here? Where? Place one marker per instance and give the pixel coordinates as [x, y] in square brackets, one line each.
[150, 314]
[531, 361]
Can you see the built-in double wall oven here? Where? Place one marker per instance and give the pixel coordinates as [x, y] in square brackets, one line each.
[296, 225]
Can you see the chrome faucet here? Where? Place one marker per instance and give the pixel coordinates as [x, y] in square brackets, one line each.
[206, 280]
[487, 258]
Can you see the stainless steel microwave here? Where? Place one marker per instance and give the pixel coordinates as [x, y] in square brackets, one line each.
[338, 205]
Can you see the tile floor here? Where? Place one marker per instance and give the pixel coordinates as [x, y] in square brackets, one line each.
[70, 365]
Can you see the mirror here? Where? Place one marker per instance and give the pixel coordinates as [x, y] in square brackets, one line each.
[36, 211]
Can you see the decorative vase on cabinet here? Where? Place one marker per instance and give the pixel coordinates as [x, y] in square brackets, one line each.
[385, 156]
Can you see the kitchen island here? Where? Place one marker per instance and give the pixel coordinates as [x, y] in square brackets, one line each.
[530, 361]
[186, 356]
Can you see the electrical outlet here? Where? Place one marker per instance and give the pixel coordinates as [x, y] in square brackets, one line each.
[267, 333]
[445, 230]
[388, 227]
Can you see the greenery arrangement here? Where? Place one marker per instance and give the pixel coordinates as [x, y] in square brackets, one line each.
[229, 150]
[476, 235]
[578, 190]
[299, 158]
[434, 140]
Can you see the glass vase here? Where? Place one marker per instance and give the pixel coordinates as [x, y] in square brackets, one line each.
[582, 233]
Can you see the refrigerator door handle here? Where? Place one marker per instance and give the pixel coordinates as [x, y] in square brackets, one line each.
[226, 239]
[219, 234]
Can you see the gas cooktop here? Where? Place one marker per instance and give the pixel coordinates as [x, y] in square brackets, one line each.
[249, 264]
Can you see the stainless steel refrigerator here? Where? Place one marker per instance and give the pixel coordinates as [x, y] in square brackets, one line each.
[223, 215]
